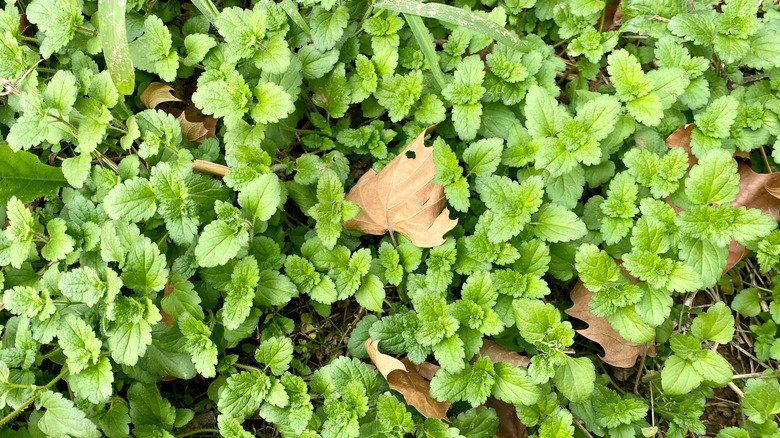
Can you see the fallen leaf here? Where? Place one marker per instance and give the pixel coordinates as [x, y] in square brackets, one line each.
[681, 138]
[497, 353]
[168, 319]
[612, 18]
[194, 126]
[426, 369]
[756, 190]
[403, 198]
[157, 93]
[618, 352]
[404, 378]
[509, 425]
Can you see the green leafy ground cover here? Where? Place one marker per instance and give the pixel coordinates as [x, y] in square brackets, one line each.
[143, 298]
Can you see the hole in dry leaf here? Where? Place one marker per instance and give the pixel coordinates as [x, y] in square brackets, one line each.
[411, 155]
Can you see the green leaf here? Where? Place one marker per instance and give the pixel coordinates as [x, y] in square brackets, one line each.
[60, 92]
[131, 332]
[262, 196]
[762, 400]
[94, 383]
[133, 200]
[82, 285]
[274, 103]
[24, 176]
[276, 353]
[484, 156]
[555, 223]
[542, 112]
[145, 267]
[714, 180]
[371, 293]
[716, 325]
[199, 345]
[327, 27]
[219, 242]
[242, 394]
[575, 379]
[747, 302]
[679, 376]
[147, 406]
[198, 45]
[57, 20]
[473, 383]
[243, 30]
[79, 343]
[514, 386]
[62, 418]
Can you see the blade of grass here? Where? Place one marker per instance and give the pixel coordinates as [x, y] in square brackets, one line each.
[295, 15]
[422, 36]
[456, 16]
[207, 8]
[116, 50]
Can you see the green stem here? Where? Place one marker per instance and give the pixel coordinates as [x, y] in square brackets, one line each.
[247, 367]
[195, 432]
[85, 30]
[65, 122]
[304, 131]
[30, 400]
[54, 351]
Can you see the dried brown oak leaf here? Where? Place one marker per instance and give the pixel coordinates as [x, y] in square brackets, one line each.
[194, 126]
[756, 190]
[618, 352]
[497, 353]
[403, 198]
[402, 376]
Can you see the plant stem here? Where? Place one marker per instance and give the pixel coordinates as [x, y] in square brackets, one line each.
[195, 432]
[303, 131]
[30, 400]
[247, 367]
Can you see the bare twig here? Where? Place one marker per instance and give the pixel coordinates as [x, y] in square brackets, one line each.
[209, 167]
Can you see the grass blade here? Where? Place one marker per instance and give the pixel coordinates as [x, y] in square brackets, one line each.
[207, 8]
[292, 10]
[422, 36]
[456, 16]
[116, 50]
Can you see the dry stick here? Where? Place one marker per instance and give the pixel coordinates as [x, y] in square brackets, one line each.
[209, 167]
[579, 424]
[735, 389]
[753, 376]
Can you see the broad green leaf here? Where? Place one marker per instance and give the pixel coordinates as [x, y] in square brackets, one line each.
[62, 419]
[276, 353]
[24, 176]
[716, 324]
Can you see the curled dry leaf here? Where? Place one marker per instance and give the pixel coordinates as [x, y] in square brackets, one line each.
[403, 198]
[194, 126]
[618, 352]
[509, 425]
[168, 319]
[156, 94]
[404, 378]
[756, 190]
[681, 138]
[612, 18]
